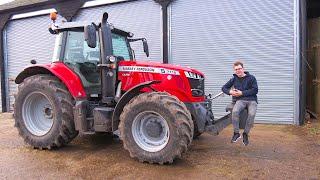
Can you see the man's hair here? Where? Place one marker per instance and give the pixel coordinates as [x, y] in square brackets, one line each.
[237, 63]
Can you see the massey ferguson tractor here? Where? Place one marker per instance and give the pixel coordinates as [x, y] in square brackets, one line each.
[94, 84]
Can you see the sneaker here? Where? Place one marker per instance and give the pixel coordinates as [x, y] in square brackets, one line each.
[245, 139]
[235, 137]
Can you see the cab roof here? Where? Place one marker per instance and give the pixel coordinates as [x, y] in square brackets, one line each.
[74, 26]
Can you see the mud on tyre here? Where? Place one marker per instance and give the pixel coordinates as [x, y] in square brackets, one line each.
[44, 112]
[156, 127]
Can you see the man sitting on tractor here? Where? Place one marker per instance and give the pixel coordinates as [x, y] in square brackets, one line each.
[243, 88]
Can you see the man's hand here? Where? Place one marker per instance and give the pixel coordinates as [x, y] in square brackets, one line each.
[232, 92]
[235, 93]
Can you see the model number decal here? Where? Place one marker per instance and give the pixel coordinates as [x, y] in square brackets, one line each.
[148, 69]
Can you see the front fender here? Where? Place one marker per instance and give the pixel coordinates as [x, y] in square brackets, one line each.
[131, 93]
[70, 79]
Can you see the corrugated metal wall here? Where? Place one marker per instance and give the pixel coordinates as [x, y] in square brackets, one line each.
[142, 18]
[27, 39]
[210, 35]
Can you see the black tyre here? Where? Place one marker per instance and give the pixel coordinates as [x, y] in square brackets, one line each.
[156, 127]
[196, 131]
[43, 112]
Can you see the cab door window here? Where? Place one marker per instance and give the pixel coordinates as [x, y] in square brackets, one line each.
[83, 60]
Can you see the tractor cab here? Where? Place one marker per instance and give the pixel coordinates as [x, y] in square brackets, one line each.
[79, 46]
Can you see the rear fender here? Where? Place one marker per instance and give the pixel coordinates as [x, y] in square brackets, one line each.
[131, 93]
[61, 71]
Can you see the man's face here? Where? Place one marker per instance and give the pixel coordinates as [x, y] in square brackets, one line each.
[238, 70]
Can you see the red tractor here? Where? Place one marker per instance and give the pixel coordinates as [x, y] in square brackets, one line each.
[95, 85]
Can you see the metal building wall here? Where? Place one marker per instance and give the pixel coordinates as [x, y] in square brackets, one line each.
[210, 35]
[142, 18]
[27, 39]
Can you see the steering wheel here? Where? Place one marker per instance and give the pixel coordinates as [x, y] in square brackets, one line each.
[91, 65]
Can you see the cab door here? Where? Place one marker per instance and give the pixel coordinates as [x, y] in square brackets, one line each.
[83, 60]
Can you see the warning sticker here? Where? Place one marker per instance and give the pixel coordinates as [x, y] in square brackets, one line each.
[147, 69]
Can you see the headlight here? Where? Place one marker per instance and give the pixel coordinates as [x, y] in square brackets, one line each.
[196, 82]
[112, 59]
[193, 75]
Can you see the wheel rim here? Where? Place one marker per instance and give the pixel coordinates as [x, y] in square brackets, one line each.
[37, 113]
[150, 131]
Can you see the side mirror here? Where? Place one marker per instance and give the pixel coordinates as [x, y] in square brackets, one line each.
[90, 35]
[145, 47]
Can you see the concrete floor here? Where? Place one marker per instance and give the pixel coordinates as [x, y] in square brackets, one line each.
[275, 152]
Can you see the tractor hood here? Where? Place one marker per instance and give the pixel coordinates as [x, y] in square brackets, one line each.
[183, 82]
[159, 65]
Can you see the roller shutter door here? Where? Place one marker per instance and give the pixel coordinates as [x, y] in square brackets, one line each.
[210, 35]
[27, 39]
[142, 18]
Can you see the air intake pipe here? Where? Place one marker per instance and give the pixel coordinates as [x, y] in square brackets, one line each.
[108, 72]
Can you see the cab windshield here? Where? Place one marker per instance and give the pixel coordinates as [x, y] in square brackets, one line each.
[77, 50]
[83, 60]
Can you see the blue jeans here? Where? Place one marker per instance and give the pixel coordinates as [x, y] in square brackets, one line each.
[238, 107]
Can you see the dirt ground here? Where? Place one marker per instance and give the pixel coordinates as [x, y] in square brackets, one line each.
[275, 152]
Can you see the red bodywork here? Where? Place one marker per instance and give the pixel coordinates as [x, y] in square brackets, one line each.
[131, 73]
[60, 70]
[171, 82]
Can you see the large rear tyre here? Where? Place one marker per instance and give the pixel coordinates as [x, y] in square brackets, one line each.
[43, 112]
[156, 127]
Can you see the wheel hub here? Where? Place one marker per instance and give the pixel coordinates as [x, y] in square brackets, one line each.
[47, 110]
[37, 113]
[153, 128]
[150, 131]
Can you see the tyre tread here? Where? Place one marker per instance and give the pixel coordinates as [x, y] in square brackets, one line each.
[182, 121]
[67, 130]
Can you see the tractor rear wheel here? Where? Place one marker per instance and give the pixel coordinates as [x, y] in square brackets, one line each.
[156, 127]
[43, 112]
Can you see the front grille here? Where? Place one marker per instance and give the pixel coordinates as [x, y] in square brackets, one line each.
[197, 86]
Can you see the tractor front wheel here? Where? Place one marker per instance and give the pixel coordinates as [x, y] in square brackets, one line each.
[156, 127]
[43, 112]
